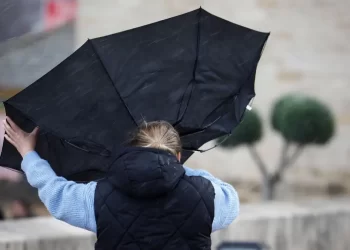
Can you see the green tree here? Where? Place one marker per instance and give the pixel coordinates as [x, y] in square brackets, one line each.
[300, 120]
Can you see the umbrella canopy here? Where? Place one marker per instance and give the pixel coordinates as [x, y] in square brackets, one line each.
[195, 71]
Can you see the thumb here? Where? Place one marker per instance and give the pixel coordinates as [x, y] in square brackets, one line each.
[35, 131]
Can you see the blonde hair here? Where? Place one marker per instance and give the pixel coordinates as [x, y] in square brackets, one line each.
[157, 134]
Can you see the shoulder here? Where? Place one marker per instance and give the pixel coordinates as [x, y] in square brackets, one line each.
[204, 189]
[200, 183]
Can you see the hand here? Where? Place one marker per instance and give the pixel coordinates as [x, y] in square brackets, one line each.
[22, 141]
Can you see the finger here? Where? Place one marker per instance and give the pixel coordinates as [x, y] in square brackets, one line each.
[12, 124]
[10, 140]
[9, 130]
[11, 137]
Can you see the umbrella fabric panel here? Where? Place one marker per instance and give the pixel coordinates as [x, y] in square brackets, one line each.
[66, 160]
[75, 104]
[77, 100]
[228, 55]
[152, 66]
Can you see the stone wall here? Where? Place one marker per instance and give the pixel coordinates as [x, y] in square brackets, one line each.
[312, 225]
[43, 234]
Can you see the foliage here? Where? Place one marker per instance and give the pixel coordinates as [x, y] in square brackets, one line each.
[303, 120]
[249, 131]
[299, 119]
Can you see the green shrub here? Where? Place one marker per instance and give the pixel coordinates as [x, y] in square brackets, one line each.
[249, 131]
[303, 120]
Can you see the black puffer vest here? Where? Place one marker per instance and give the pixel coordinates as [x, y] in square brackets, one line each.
[147, 202]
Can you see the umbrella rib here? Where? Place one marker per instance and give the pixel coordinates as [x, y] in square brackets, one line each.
[198, 41]
[180, 118]
[110, 78]
[235, 95]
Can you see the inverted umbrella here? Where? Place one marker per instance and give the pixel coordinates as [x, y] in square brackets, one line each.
[196, 71]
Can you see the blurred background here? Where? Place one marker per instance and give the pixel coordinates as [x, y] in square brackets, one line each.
[295, 144]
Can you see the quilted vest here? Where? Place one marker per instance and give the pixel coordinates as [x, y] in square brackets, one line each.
[147, 202]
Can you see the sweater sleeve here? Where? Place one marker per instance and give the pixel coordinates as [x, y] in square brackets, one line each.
[226, 201]
[66, 200]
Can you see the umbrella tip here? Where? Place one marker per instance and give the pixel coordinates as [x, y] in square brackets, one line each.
[250, 104]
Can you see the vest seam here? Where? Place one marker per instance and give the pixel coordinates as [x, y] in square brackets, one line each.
[205, 204]
[178, 228]
[115, 217]
[126, 231]
[107, 227]
[134, 240]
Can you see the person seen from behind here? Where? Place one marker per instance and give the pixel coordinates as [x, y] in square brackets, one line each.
[147, 199]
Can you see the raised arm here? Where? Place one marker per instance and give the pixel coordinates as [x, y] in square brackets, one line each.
[226, 201]
[65, 200]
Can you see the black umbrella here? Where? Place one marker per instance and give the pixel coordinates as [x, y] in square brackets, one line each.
[195, 71]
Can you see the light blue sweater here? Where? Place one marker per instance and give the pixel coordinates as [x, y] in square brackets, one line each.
[74, 202]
